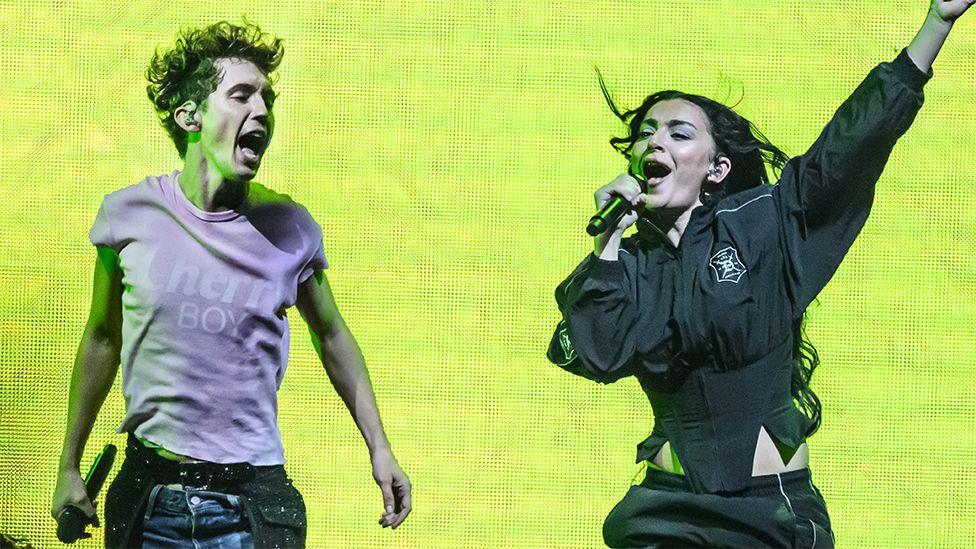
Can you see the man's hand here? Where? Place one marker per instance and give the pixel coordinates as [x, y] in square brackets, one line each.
[395, 487]
[950, 10]
[70, 490]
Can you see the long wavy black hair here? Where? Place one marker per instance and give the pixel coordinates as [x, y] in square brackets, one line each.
[749, 152]
[187, 72]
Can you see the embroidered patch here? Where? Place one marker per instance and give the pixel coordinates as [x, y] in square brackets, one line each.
[569, 353]
[727, 266]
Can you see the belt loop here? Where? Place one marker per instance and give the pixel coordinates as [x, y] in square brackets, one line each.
[152, 500]
[234, 500]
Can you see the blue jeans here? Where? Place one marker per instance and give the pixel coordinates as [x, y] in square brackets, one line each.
[194, 519]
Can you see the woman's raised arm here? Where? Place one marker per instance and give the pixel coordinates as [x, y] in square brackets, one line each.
[941, 16]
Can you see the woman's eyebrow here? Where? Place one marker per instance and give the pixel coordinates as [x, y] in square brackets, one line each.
[670, 123]
[673, 123]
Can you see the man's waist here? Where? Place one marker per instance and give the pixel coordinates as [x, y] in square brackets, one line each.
[192, 473]
[166, 454]
[197, 432]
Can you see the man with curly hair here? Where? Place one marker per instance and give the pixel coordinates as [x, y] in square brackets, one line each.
[194, 274]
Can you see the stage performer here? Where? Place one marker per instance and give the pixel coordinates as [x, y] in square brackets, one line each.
[704, 305]
[195, 271]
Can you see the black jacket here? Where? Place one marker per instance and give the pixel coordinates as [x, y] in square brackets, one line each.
[708, 328]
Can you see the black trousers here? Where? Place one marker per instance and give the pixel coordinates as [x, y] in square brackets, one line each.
[783, 510]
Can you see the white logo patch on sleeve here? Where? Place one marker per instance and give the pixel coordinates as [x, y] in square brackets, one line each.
[569, 353]
[727, 266]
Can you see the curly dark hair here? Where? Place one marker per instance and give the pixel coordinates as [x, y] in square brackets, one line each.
[187, 72]
[749, 152]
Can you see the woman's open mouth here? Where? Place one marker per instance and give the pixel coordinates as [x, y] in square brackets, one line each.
[655, 172]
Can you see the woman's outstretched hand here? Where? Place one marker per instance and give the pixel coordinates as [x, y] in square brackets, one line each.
[942, 14]
[950, 10]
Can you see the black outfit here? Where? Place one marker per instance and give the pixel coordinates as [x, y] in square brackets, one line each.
[774, 511]
[709, 327]
[273, 507]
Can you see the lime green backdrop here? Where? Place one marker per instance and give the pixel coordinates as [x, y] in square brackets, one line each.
[473, 134]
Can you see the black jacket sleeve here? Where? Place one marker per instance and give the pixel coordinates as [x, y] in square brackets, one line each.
[824, 196]
[607, 314]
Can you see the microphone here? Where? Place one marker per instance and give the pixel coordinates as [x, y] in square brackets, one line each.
[608, 216]
[72, 521]
[617, 207]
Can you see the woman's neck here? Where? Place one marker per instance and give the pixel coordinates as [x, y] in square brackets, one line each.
[672, 223]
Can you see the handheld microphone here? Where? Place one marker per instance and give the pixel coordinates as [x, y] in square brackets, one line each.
[72, 521]
[617, 207]
[608, 216]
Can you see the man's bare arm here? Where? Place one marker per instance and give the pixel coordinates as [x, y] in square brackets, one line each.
[343, 361]
[96, 364]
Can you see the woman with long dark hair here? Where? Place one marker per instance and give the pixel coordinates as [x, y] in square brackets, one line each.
[704, 304]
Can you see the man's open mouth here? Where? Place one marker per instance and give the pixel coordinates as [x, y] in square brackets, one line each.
[253, 144]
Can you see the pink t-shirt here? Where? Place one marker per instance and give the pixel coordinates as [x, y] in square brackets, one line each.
[204, 332]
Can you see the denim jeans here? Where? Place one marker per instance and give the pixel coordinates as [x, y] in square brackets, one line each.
[194, 519]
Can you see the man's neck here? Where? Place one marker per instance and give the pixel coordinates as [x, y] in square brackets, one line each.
[206, 188]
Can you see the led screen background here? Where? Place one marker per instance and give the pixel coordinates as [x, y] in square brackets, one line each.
[450, 150]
